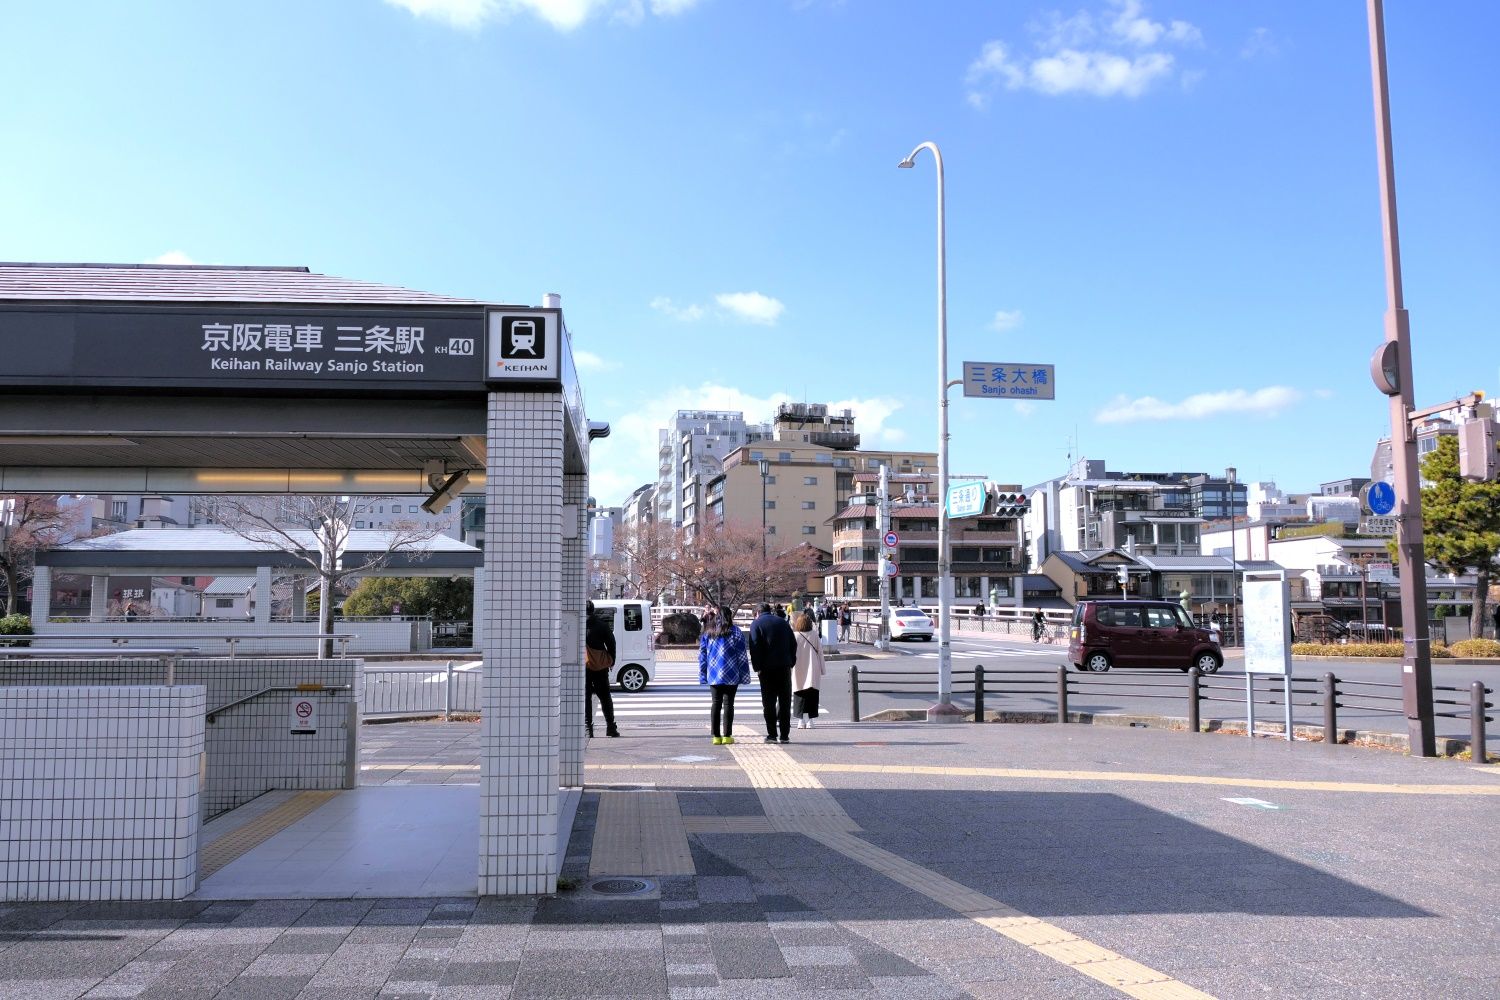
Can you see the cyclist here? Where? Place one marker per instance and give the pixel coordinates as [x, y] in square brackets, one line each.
[1038, 626]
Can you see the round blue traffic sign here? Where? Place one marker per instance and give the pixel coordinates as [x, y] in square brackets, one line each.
[891, 539]
[1381, 498]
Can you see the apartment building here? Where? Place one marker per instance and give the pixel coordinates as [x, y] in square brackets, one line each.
[1152, 513]
[987, 557]
[690, 452]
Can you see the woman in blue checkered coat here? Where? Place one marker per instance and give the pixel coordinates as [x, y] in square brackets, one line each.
[723, 664]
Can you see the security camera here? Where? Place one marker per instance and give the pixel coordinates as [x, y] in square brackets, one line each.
[447, 492]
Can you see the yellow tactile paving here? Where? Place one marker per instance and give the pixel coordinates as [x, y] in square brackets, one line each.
[1155, 778]
[640, 833]
[222, 850]
[786, 788]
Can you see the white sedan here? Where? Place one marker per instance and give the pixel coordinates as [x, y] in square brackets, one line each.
[910, 623]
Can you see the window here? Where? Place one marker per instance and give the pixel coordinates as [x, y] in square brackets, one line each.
[633, 618]
[809, 480]
[756, 456]
[1126, 615]
[770, 480]
[1160, 618]
[809, 504]
[770, 529]
[808, 529]
[783, 456]
[965, 554]
[770, 505]
[187, 581]
[359, 524]
[223, 602]
[119, 510]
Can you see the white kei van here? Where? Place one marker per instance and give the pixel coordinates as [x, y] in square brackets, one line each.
[635, 646]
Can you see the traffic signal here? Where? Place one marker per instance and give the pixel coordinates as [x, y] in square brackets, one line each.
[1478, 458]
[1010, 505]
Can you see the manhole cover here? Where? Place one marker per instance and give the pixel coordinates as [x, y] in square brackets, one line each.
[619, 886]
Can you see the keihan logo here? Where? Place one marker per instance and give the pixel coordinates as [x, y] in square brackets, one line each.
[522, 337]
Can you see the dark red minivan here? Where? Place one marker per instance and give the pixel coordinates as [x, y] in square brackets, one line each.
[1139, 634]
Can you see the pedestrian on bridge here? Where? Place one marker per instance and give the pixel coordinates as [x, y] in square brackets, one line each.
[773, 652]
[723, 664]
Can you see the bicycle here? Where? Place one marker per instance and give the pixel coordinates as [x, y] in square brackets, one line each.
[1037, 632]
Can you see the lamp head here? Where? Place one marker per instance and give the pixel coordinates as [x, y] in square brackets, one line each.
[907, 163]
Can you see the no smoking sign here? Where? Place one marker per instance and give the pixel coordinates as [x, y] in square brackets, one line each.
[304, 716]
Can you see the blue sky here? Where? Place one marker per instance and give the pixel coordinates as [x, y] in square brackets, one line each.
[1175, 202]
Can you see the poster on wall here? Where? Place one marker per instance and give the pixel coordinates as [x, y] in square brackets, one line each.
[1268, 637]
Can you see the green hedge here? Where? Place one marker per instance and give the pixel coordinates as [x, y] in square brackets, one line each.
[15, 625]
[1476, 647]
[1358, 649]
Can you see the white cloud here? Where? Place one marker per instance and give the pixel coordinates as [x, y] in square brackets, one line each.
[1006, 319]
[686, 314]
[1267, 402]
[751, 307]
[172, 257]
[1260, 43]
[872, 420]
[564, 15]
[588, 361]
[1103, 55]
[1025, 407]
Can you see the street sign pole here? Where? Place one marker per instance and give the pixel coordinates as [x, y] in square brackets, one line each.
[883, 521]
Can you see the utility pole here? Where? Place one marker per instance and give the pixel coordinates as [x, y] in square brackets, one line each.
[1391, 369]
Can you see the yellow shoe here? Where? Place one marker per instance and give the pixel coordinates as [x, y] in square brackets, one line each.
[728, 740]
[718, 740]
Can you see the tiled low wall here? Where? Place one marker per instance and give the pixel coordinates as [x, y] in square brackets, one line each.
[99, 792]
[251, 748]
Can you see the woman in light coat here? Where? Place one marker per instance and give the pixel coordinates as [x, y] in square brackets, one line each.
[807, 672]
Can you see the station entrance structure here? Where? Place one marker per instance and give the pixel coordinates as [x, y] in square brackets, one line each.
[260, 380]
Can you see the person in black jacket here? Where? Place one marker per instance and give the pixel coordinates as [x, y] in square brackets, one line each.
[599, 663]
[773, 651]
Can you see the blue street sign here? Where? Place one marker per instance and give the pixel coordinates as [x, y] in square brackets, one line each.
[1381, 498]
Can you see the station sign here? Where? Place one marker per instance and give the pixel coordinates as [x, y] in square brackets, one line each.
[1009, 380]
[523, 345]
[966, 499]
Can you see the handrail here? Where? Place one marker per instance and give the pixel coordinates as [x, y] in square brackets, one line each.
[305, 688]
[120, 638]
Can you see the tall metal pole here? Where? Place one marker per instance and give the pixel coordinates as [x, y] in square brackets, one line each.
[765, 468]
[1416, 665]
[883, 523]
[943, 710]
[1230, 476]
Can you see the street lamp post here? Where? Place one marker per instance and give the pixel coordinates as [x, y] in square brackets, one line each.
[943, 711]
[1392, 369]
[1231, 476]
[765, 471]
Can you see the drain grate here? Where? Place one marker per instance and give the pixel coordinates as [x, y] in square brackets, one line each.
[619, 886]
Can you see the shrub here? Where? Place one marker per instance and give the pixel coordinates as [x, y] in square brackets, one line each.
[1476, 647]
[15, 625]
[1360, 649]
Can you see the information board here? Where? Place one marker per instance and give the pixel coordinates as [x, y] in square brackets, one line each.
[1268, 643]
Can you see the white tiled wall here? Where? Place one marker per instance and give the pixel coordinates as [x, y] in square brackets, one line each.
[99, 792]
[575, 581]
[519, 763]
[250, 747]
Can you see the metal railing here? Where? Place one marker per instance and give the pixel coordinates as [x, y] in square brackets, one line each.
[1328, 693]
[435, 691]
[119, 642]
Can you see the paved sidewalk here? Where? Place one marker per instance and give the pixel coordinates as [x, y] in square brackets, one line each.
[896, 860]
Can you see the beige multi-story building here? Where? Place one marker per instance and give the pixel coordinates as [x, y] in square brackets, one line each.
[810, 469]
[988, 559]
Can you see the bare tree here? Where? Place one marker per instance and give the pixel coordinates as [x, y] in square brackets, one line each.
[315, 530]
[643, 556]
[733, 566]
[31, 524]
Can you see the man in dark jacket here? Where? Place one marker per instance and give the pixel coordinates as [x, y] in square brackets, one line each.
[773, 651]
[599, 645]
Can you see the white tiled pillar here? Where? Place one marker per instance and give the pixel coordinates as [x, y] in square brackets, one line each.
[478, 622]
[263, 595]
[98, 598]
[520, 604]
[41, 594]
[575, 592]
